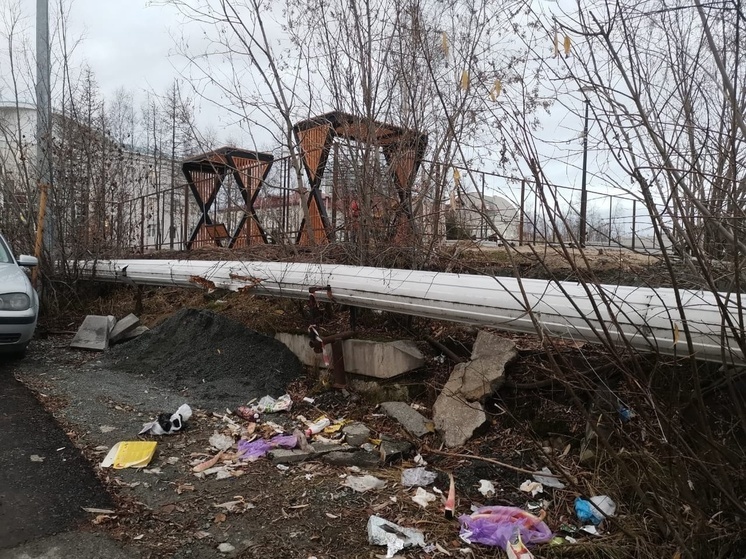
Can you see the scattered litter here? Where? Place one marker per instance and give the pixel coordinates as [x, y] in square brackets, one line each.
[171, 460]
[37, 458]
[450, 506]
[247, 413]
[207, 464]
[106, 428]
[532, 487]
[516, 549]
[486, 488]
[548, 480]
[201, 534]
[225, 547]
[417, 477]
[586, 512]
[236, 506]
[168, 424]
[223, 473]
[283, 467]
[254, 450]
[94, 510]
[626, 414]
[268, 404]
[316, 427]
[154, 471]
[590, 529]
[423, 497]
[308, 400]
[220, 441]
[395, 538]
[419, 460]
[361, 484]
[495, 526]
[130, 454]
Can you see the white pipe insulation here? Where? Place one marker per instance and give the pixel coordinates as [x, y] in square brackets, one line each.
[647, 318]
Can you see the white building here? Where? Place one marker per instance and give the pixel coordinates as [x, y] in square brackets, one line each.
[106, 197]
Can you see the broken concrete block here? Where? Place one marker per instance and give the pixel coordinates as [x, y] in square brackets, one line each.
[356, 434]
[359, 458]
[298, 344]
[374, 359]
[122, 327]
[456, 419]
[93, 334]
[287, 456]
[412, 420]
[134, 333]
[485, 373]
[381, 359]
[392, 450]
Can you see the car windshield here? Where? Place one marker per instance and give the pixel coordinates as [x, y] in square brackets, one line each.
[4, 252]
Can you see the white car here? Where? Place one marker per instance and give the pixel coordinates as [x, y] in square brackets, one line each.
[19, 303]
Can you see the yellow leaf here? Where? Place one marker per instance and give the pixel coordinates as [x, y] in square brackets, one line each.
[567, 45]
[444, 44]
[496, 90]
[464, 80]
[456, 176]
[675, 333]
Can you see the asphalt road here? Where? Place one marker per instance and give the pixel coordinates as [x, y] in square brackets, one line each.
[44, 479]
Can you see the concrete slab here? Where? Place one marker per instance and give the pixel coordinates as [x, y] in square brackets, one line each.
[456, 419]
[317, 450]
[383, 360]
[127, 324]
[80, 545]
[454, 416]
[93, 334]
[412, 420]
[134, 333]
[299, 345]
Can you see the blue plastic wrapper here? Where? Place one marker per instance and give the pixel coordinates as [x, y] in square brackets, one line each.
[595, 510]
[584, 511]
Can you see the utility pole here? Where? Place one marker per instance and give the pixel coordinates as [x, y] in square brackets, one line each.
[44, 127]
[583, 186]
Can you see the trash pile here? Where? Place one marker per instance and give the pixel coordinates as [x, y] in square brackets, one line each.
[267, 429]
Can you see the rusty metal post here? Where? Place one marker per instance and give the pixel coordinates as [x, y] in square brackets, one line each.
[339, 376]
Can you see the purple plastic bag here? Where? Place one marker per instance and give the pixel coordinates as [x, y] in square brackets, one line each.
[259, 448]
[496, 525]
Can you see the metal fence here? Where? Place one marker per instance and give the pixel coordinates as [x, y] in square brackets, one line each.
[450, 202]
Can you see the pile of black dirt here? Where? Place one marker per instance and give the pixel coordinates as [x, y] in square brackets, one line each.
[211, 360]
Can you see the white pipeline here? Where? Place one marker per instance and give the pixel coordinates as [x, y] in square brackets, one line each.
[648, 319]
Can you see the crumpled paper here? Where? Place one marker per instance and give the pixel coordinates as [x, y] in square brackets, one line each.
[395, 538]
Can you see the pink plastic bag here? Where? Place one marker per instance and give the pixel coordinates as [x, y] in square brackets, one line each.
[259, 448]
[496, 525]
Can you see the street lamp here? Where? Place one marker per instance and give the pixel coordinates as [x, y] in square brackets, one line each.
[582, 233]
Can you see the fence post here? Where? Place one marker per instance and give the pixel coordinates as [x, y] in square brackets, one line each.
[611, 203]
[634, 222]
[142, 225]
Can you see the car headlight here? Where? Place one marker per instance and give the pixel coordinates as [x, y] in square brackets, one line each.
[14, 302]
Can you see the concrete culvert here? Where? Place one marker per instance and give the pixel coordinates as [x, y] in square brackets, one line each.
[212, 360]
